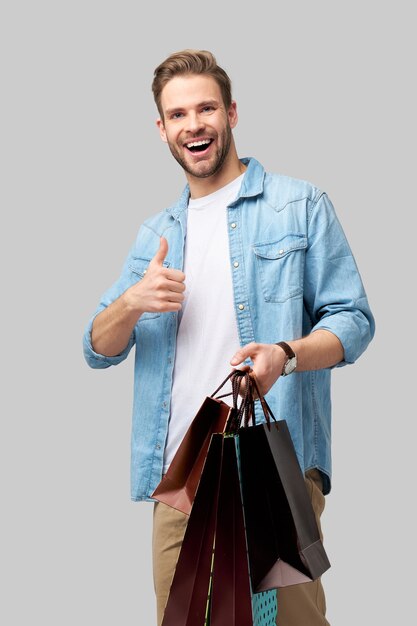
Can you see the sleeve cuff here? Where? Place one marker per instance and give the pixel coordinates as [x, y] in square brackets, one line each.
[352, 330]
[101, 361]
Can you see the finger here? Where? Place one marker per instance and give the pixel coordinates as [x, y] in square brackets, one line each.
[247, 351]
[172, 296]
[174, 285]
[176, 275]
[159, 257]
[171, 306]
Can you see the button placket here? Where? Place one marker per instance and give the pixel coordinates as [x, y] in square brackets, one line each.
[240, 293]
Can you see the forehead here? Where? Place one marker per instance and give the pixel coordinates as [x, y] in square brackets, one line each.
[188, 91]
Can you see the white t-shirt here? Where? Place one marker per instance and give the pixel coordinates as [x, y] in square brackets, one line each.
[207, 335]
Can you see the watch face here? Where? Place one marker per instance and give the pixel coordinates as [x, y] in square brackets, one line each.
[290, 366]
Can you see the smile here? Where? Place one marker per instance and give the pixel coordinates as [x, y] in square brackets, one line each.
[198, 146]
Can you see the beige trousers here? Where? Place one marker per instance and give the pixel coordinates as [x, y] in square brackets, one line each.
[298, 605]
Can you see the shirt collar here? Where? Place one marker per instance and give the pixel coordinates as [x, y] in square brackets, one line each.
[252, 185]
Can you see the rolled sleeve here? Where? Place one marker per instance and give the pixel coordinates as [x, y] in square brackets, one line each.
[101, 361]
[334, 293]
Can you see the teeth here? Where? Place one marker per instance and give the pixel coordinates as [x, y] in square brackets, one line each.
[197, 143]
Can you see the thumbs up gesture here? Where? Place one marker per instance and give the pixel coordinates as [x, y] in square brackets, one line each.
[161, 289]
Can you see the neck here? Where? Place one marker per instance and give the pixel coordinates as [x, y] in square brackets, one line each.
[231, 169]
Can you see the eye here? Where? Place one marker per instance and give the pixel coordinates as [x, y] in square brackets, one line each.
[208, 108]
[176, 115]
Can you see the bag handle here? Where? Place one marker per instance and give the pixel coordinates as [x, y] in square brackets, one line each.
[236, 378]
[247, 407]
[264, 404]
[246, 404]
[222, 385]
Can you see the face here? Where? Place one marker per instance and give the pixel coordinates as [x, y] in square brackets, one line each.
[196, 125]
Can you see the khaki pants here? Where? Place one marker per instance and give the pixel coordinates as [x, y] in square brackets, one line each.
[298, 605]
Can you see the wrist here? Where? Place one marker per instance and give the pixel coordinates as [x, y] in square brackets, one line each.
[130, 303]
[290, 358]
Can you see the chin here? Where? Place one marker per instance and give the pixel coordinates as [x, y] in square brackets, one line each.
[201, 172]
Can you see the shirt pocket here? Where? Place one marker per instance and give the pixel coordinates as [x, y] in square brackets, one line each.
[280, 265]
[138, 267]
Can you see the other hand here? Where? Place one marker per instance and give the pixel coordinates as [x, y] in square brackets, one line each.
[268, 363]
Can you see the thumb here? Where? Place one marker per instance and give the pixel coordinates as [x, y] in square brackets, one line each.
[161, 253]
[242, 354]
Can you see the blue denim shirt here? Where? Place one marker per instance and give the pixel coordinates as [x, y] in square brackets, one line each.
[295, 274]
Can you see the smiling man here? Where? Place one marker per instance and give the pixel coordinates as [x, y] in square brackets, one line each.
[246, 269]
[213, 154]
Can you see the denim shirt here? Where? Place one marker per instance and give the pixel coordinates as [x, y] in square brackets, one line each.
[295, 274]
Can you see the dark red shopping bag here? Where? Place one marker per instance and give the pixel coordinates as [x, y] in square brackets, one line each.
[211, 584]
[179, 485]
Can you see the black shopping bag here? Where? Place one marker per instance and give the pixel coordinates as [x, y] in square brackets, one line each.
[283, 538]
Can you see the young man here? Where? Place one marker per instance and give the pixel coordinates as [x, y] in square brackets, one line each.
[242, 262]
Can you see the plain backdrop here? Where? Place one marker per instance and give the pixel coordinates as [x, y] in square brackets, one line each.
[325, 93]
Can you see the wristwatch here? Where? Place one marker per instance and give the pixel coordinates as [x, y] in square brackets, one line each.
[291, 362]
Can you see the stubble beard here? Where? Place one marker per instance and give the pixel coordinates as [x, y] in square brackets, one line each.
[220, 156]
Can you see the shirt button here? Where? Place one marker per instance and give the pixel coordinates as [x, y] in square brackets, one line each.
[164, 404]
[241, 307]
[233, 224]
[158, 446]
[235, 264]
[281, 251]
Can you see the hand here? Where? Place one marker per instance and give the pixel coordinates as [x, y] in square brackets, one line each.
[161, 289]
[268, 363]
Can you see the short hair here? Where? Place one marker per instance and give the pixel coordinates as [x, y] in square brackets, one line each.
[190, 62]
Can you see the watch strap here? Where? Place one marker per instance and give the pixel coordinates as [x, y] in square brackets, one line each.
[287, 349]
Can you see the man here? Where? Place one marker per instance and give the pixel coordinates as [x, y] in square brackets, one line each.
[242, 262]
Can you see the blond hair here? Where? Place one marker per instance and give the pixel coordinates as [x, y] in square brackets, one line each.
[190, 62]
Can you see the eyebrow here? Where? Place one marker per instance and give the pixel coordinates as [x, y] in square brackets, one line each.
[199, 105]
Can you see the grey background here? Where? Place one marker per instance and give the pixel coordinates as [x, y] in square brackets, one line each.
[324, 92]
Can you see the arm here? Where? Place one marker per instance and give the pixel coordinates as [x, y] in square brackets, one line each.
[109, 336]
[342, 323]
[318, 350]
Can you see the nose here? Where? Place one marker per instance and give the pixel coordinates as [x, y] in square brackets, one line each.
[194, 123]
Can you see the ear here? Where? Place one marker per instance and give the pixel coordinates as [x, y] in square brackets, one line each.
[232, 114]
[162, 131]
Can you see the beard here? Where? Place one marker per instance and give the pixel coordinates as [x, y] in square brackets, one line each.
[206, 168]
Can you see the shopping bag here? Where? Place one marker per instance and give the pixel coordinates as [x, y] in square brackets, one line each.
[283, 538]
[178, 487]
[211, 584]
[231, 601]
[188, 599]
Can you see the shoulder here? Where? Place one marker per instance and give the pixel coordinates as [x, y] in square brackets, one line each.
[281, 190]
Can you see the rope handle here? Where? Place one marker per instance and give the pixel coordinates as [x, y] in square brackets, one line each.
[247, 406]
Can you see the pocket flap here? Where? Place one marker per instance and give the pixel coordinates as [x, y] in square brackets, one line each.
[281, 247]
[139, 265]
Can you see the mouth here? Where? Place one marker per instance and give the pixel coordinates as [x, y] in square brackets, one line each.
[199, 146]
